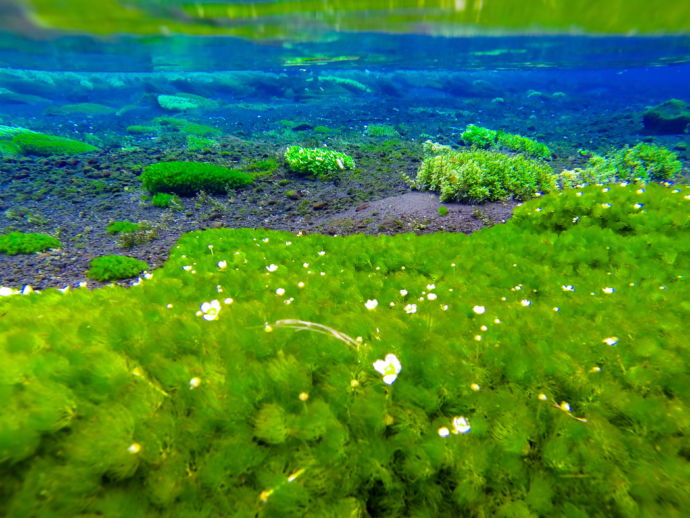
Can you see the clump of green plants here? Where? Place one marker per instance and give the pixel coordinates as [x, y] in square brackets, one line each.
[15, 243]
[45, 145]
[480, 176]
[319, 163]
[195, 143]
[381, 130]
[189, 178]
[262, 373]
[442, 210]
[643, 162]
[145, 233]
[137, 129]
[262, 167]
[121, 227]
[115, 267]
[479, 137]
[165, 200]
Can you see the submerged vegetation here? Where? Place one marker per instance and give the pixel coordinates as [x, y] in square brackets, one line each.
[189, 178]
[319, 163]
[113, 267]
[272, 374]
[479, 137]
[26, 243]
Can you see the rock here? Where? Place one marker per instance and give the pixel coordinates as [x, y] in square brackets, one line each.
[668, 118]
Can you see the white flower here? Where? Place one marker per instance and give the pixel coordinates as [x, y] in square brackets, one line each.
[371, 304]
[564, 406]
[194, 383]
[637, 206]
[479, 310]
[475, 387]
[443, 431]
[595, 369]
[431, 296]
[543, 397]
[578, 194]
[606, 205]
[525, 302]
[209, 310]
[288, 243]
[305, 265]
[477, 338]
[430, 286]
[608, 291]
[460, 425]
[272, 267]
[444, 307]
[265, 240]
[605, 189]
[568, 287]
[389, 367]
[187, 268]
[228, 301]
[640, 191]
[280, 292]
[611, 340]
[5, 292]
[484, 328]
[403, 292]
[134, 448]
[556, 308]
[410, 308]
[576, 219]
[322, 252]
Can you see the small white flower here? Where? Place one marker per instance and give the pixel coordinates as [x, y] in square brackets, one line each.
[525, 302]
[371, 304]
[219, 288]
[568, 287]
[6, 292]
[606, 205]
[194, 383]
[443, 431]
[605, 189]
[497, 321]
[431, 296]
[228, 301]
[631, 284]
[430, 286]
[280, 292]
[461, 425]
[403, 292]
[410, 308]
[538, 209]
[288, 243]
[637, 206]
[640, 191]
[564, 406]
[578, 194]
[187, 268]
[322, 252]
[611, 340]
[134, 448]
[543, 397]
[169, 306]
[265, 240]
[272, 267]
[300, 284]
[389, 367]
[576, 219]
[484, 328]
[305, 265]
[479, 310]
[595, 369]
[209, 310]
[475, 387]
[444, 307]
[608, 291]
[556, 308]
[477, 338]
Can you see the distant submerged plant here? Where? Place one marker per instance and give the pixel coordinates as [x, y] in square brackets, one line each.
[479, 137]
[45, 145]
[320, 163]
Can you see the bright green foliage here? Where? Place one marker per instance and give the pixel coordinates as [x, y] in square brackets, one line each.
[195, 143]
[643, 162]
[121, 227]
[381, 130]
[261, 168]
[320, 163]
[479, 137]
[188, 178]
[127, 402]
[442, 210]
[113, 267]
[45, 145]
[137, 129]
[165, 200]
[480, 176]
[26, 243]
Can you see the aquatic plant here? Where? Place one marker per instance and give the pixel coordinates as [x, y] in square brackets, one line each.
[114, 267]
[195, 143]
[381, 130]
[121, 227]
[184, 101]
[442, 210]
[271, 374]
[643, 162]
[479, 137]
[165, 200]
[45, 145]
[319, 163]
[26, 243]
[137, 129]
[480, 176]
[188, 178]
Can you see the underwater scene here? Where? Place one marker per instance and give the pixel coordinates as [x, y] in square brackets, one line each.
[344, 258]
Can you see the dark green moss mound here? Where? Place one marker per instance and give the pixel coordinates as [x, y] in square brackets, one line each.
[26, 243]
[113, 267]
[189, 178]
[668, 118]
[535, 368]
[121, 227]
[46, 145]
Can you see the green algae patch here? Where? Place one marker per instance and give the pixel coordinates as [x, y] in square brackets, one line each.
[317, 162]
[121, 227]
[537, 367]
[26, 243]
[189, 178]
[114, 267]
[46, 145]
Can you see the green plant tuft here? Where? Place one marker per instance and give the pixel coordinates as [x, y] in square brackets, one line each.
[189, 178]
[26, 243]
[113, 267]
[121, 227]
[319, 163]
[46, 145]
[165, 200]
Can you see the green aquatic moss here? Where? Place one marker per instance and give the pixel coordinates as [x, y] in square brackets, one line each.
[121, 227]
[26, 243]
[46, 145]
[189, 178]
[480, 176]
[319, 163]
[165, 200]
[114, 267]
[643, 162]
[549, 378]
[381, 130]
[479, 137]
